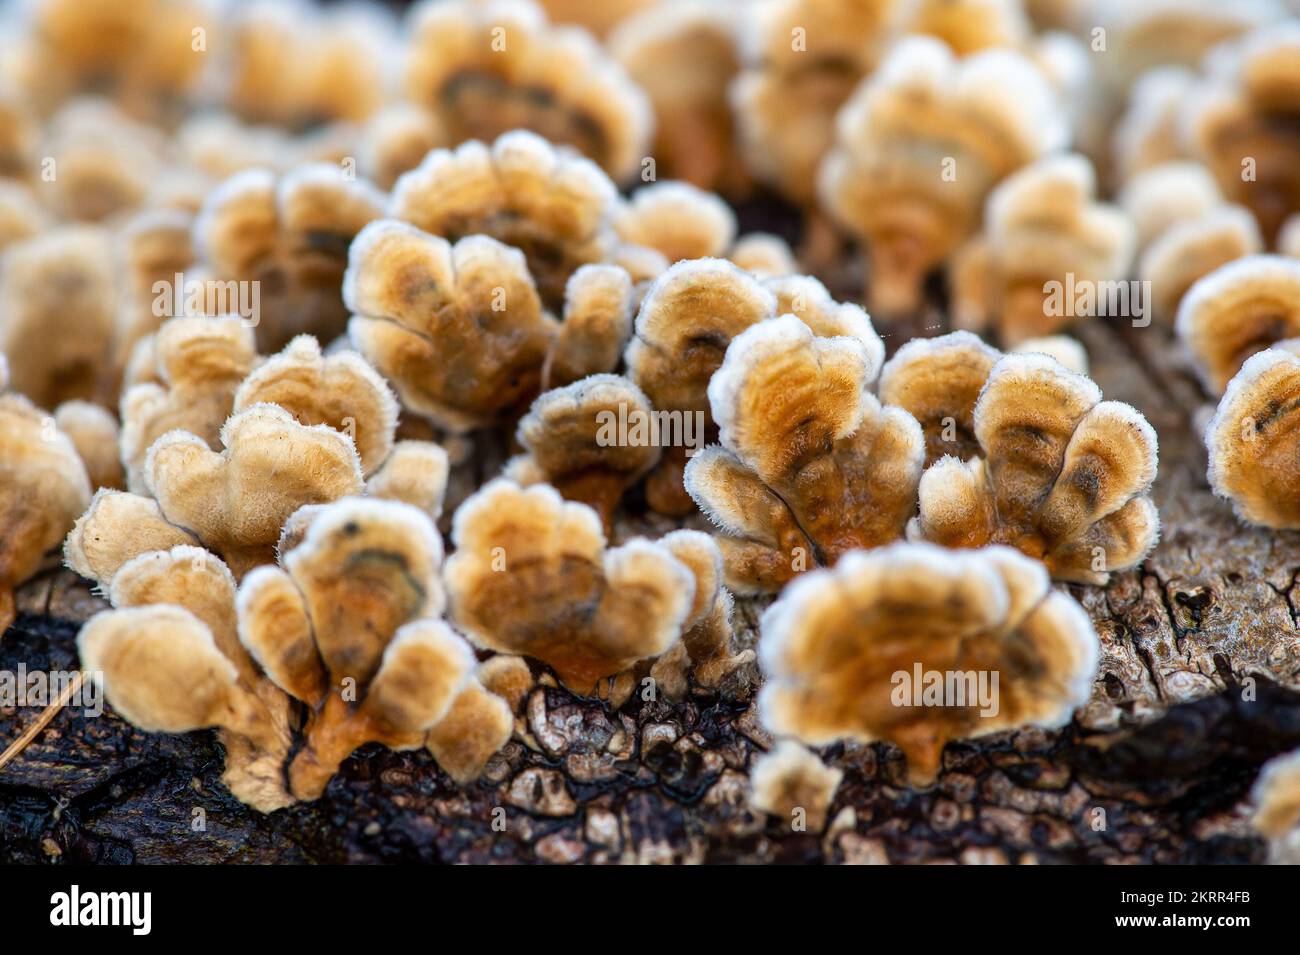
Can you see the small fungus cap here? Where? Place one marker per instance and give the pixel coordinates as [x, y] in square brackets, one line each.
[1253, 440]
[1237, 310]
[834, 644]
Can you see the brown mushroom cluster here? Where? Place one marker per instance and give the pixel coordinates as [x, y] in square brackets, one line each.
[457, 378]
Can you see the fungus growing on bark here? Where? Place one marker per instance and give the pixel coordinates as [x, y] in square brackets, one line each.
[1191, 249]
[198, 364]
[43, 487]
[395, 140]
[968, 26]
[115, 529]
[677, 219]
[1240, 120]
[683, 55]
[1237, 310]
[802, 61]
[344, 626]
[763, 254]
[286, 242]
[1252, 440]
[414, 472]
[485, 68]
[860, 651]
[1161, 196]
[459, 329]
[1276, 795]
[705, 653]
[598, 303]
[686, 321]
[918, 148]
[142, 52]
[549, 203]
[93, 431]
[98, 163]
[235, 501]
[590, 440]
[1045, 234]
[57, 299]
[1062, 475]
[792, 784]
[531, 575]
[156, 247]
[811, 465]
[1064, 349]
[474, 728]
[299, 64]
[1147, 132]
[938, 381]
[340, 390]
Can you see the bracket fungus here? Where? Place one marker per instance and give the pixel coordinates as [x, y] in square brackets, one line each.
[685, 323]
[57, 296]
[395, 140]
[285, 241]
[21, 216]
[116, 528]
[683, 55]
[1061, 475]
[340, 390]
[550, 203]
[597, 323]
[1044, 231]
[97, 163]
[792, 784]
[1240, 120]
[1237, 310]
[590, 440]
[488, 67]
[336, 647]
[458, 329]
[811, 466]
[43, 488]
[235, 501]
[1252, 440]
[1276, 795]
[198, 364]
[301, 64]
[918, 148]
[531, 576]
[140, 51]
[938, 381]
[868, 651]
[93, 431]
[802, 59]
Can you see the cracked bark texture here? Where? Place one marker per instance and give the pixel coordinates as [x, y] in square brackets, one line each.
[1199, 685]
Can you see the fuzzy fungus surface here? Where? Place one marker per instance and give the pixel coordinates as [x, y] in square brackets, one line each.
[1253, 440]
[552, 204]
[459, 330]
[486, 68]
[1061, 475]
[918, 148]
[1240, 308]
[810, 464]
[835, 643]
[286, 239]
[531, 575]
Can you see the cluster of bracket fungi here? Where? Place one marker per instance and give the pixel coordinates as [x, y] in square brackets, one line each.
[511, 225]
